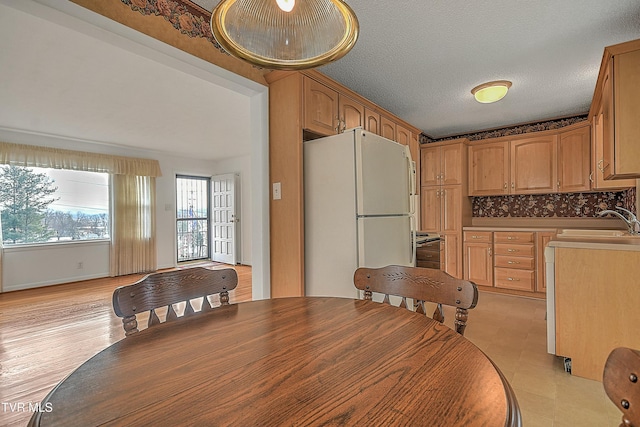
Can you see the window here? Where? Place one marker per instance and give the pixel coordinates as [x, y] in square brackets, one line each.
[192, 217]
[52, 205]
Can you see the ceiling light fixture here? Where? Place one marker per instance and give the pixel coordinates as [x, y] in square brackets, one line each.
[285, 34]
[491, 91]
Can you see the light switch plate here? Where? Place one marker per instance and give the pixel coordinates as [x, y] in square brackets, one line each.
[277, 191]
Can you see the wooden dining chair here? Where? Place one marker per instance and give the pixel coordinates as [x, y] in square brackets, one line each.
[164, 289]
[422, 285]
[620, 381]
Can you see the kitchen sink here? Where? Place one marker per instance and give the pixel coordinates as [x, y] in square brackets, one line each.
[571, 232]
[599, 236]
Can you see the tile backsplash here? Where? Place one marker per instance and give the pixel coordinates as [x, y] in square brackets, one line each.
[568, 205]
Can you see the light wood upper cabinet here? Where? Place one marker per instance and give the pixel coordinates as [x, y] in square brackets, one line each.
[574, 160]
[403, 135]
[617, 104]
[320, 108]
[597, 159]
[550, 162]
[489, 169]
[442, 165]
[387, 128]
[372, 121]
[350, 112]
[534, 165]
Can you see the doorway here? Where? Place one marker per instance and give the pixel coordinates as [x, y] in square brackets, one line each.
[192, 217]
[224, 230]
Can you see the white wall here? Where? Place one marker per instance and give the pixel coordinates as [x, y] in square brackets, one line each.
[34, 266]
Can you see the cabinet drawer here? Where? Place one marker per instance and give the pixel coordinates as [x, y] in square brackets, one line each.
[508, 261]
[427, 255]
[513, 250]
[477, 236]
[428, 264]
[430, 246]
[510, 278]
[513, 237]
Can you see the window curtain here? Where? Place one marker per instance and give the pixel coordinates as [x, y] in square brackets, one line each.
[56, 158]
[133, 225]
[133, 199]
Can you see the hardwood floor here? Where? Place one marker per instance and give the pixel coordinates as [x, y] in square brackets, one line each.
[46, 333]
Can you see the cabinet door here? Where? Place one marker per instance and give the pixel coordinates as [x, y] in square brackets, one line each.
[478, 261]
[430, 166]
[625, 79]
[534, 165]
[574, 158]
[451, 214]
[403, 135]
[351, 113]
[372, 121]
[489, 169]
[451, 164]
[607, 123]
[430, 209]
[387, 128]
[597, 160]
[451, 261]
[542, 240]
[320, 108]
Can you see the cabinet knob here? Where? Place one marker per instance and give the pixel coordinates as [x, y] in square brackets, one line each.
[512, 250]
[512, 238]
[513, 185]
[505, 185]
[513, 262]
[513, 279]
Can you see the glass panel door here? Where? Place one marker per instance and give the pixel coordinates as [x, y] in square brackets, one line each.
[192, 218]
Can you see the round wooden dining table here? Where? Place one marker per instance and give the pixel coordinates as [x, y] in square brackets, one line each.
[287, 362]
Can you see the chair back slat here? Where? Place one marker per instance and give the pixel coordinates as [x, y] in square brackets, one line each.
[620, 381]
[164, 289]
[420, 284]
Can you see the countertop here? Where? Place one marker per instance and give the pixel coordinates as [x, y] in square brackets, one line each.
[488, 228]
[597, 244]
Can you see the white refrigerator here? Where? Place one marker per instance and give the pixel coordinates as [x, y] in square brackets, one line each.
[358, 208]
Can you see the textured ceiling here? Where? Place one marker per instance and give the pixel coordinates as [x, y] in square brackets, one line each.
[420, 59]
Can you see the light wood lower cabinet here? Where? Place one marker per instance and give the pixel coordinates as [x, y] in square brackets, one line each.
[450, 261]
[507, 261]
[478, 257]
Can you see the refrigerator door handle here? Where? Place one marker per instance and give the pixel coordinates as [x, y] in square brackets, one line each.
[412, 182]
[413, 222]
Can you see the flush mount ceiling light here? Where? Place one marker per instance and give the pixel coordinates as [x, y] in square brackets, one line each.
[491, 91]
[285, 34]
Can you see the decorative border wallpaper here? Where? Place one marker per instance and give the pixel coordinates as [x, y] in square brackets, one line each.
[512, 130]
[185, 16]
[572, 205]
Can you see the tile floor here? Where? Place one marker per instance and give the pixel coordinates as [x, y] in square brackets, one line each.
[512, 332]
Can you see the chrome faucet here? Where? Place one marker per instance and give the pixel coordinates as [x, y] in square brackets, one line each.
[631, 221]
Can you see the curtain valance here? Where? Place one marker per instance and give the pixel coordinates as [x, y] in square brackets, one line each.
[56, 158]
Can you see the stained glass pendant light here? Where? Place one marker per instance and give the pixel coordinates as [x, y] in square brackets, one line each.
[285, 34]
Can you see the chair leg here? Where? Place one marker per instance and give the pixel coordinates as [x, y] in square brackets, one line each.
[462, 314]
